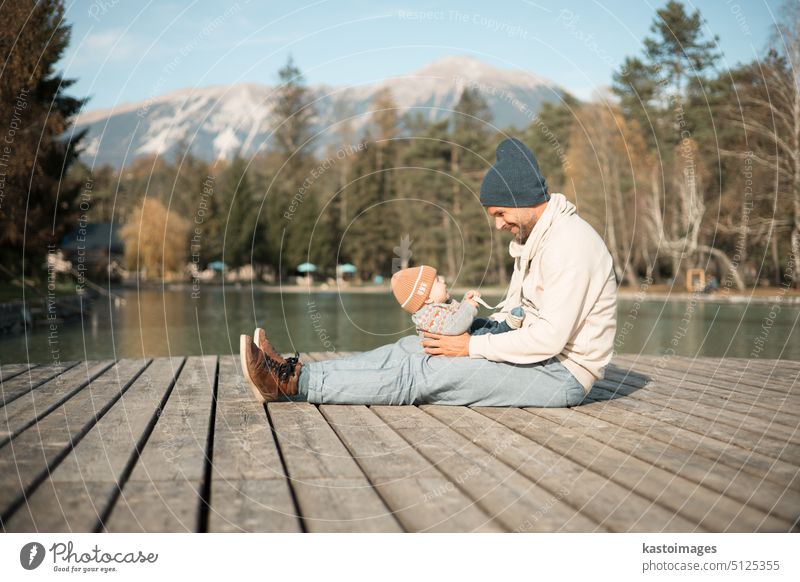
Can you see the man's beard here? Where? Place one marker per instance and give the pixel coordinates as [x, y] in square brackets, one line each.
[523, 233]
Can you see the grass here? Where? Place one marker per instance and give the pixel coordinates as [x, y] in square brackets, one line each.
[13, 292]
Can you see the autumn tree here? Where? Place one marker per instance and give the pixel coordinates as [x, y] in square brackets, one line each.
[768, 111]
[608, 170]
[156, 240]
[658, 91]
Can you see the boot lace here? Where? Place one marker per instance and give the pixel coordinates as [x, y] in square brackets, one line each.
[283, 370]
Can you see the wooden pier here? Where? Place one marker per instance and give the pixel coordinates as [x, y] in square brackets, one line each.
[178, 445]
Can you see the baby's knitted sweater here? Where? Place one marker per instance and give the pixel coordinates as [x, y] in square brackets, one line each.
[448, 318]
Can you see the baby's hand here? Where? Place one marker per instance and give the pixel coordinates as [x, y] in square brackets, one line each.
[471, 295]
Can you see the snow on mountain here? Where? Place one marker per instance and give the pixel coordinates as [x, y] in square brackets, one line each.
[217, 121]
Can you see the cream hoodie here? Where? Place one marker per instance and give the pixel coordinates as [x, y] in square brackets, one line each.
[564, 280]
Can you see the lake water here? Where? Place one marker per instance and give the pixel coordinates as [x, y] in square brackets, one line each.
[162, 323]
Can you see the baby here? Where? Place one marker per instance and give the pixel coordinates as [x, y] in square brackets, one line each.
[424, 294]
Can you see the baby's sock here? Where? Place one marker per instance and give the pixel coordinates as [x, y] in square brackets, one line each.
[515, 317]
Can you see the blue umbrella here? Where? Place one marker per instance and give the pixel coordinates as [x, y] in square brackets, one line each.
[217, 266]
[307, 268]
[346, 268]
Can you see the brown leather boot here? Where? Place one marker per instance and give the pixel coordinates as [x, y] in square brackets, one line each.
[268, 374]
[260, 339]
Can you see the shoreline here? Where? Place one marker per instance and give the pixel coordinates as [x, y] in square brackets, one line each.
[758, 295]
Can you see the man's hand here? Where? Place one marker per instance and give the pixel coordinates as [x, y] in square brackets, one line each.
[471, 295]
[446, 345]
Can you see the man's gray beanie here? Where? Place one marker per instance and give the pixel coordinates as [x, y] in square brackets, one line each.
[515, 179]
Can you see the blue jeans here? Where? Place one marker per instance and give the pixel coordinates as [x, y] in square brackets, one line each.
[484, 325]
[402, 373]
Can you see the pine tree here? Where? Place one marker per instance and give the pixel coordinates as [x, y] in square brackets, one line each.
[426, 190]
[679, 52]
[189, 174]
[471, 151]
[37, 201]
[240, 214]
[548, 136]
[289, 209]
[293, 112]
[372, 232]
[659, 92]
[677, 62]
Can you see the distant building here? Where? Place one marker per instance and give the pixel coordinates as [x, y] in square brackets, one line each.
[96, 249]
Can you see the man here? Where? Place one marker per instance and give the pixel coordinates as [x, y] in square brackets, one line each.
[564, 279]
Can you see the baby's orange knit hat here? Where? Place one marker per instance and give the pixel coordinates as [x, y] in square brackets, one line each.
[411, 287]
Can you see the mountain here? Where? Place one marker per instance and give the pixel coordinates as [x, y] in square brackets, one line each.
[217, 121]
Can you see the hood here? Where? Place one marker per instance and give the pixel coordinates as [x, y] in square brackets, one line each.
[557, 208]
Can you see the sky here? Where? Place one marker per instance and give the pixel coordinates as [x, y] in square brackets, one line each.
[130, 51]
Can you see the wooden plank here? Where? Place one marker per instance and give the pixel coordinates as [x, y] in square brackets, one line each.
[18, 385]
[775, 411]
[780, 457]
[780, 369]
[714, 449]
[790, 367]
[744, 387]
[167, 505]
[419, 495]
[741, 372]
[707, 508]
[782, 502]
[603, 391]
[498, 488]
[8, 371]
[28, 459]
[729, 405]
[607, 503]
[36, 404]
[705, 390]
[712, 376]
[331, 490]
[720, 375]
[777, 379]
[252, 505]
[760, 424]
[164, 491]
[249, 490]
[78, 493]
[773, 381]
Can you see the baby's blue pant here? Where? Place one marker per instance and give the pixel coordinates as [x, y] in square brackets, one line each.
[402, 373]
[484, 325]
